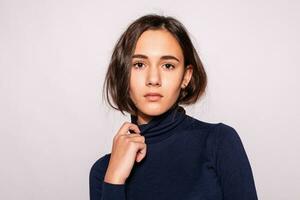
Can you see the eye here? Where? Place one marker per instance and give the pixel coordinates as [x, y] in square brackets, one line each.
[169, 66]
[138, 64]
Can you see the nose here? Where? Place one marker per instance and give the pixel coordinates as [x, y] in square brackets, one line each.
[153, 76]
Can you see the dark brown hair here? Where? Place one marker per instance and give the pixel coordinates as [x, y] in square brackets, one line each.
[116, 83]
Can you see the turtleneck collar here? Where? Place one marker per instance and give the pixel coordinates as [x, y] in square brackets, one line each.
[161, 126]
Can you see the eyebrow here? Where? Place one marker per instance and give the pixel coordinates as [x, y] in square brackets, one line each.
[165, 57]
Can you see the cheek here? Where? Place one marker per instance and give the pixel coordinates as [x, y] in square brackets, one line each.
[136, 84]
[172, 85]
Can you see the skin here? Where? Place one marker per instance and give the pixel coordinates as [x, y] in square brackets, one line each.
[151, 72]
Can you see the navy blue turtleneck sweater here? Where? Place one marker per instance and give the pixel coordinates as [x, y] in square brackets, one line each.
[186, 159]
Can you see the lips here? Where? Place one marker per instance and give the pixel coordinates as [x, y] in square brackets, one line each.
[153, 96]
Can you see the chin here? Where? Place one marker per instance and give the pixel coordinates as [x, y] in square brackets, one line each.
[154, 109]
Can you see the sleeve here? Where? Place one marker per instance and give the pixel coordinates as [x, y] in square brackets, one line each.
[233, 167]
[101, 190]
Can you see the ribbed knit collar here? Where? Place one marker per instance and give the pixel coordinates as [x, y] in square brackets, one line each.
[161, 126]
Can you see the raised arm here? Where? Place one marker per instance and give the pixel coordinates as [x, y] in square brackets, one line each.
[109, 174]
[101, 190]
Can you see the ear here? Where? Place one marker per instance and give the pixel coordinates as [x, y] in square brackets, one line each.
[188, 72]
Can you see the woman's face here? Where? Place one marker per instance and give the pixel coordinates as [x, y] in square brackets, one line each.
[157, 67]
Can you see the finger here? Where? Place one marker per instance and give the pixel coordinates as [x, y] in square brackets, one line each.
[134, 138]
[126, 126]
[141, 154]
[134, 135]
[133, 128]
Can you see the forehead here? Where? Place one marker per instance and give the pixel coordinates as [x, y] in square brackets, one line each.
[155, 43]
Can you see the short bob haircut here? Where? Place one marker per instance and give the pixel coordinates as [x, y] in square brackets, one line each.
[117, 79]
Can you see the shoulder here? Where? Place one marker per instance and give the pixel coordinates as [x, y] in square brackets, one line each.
[223, 143]
[194, 124]
[218, 130]
[216, 135]
[228, 146]
[99, 167]
[227, 135]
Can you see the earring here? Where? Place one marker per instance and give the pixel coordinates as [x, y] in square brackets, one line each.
[184, 86]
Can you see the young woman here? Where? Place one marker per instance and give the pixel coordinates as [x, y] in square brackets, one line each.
[163, 153]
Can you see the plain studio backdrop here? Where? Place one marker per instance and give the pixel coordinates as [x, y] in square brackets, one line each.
[53, 58]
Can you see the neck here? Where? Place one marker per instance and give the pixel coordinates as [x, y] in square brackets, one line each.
[160, 126]
[143, 118]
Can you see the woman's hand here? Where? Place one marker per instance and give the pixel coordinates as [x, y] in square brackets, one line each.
[126, 149]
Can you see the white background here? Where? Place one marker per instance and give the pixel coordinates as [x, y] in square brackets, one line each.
[53, 58]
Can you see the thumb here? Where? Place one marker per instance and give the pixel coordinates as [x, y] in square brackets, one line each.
[140, 155]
